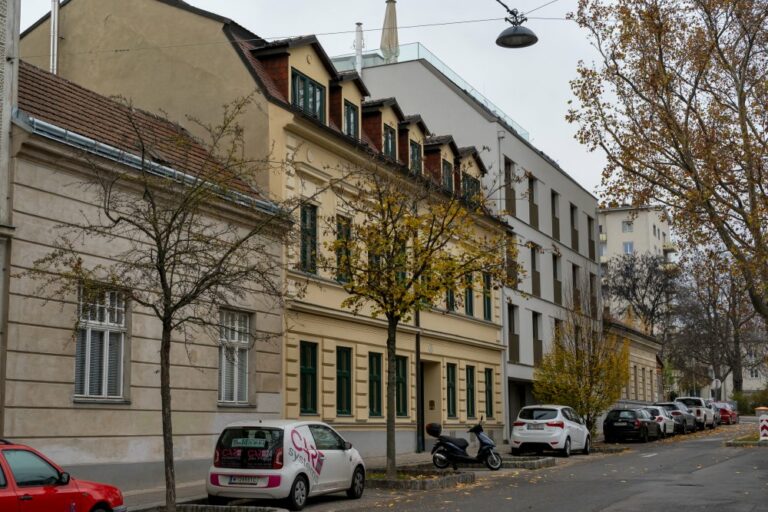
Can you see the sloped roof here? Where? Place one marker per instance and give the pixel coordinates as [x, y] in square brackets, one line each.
[418, 120]
[378, 103]
[68, 106]
[472, 151]
[439, 140]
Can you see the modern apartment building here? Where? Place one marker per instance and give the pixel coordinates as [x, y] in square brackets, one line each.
[311, 122]
[631, 229]
[554, 219]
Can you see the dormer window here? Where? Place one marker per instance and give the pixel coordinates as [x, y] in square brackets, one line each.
[416, 163]
[447, 176]
[308, 95]
[390, 148]
[351, 123]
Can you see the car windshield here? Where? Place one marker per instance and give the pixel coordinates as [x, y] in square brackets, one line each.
[622, 415]
[690, 402]
[538, 414]
[248, 447]
[654, 411]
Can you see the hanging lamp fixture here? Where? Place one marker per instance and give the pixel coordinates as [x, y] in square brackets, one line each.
[516, 36]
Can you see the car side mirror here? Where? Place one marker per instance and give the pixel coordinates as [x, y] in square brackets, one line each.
[64, 478]
[347, 445]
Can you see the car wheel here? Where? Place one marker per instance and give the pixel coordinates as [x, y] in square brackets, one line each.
[587, 446]
[566, 452]
[493, 461]
[299, 492]
[355, 490]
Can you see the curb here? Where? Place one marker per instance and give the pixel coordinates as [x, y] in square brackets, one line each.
[508, 462]
[737, 443]
[212, 508]
[445, 480]
[608, 448]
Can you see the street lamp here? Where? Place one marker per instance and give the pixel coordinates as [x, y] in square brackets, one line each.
[516, 36]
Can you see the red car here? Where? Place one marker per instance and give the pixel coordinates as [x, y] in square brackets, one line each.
[728, 415]
[29, 482]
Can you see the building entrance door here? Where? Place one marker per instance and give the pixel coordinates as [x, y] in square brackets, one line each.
[431, 402]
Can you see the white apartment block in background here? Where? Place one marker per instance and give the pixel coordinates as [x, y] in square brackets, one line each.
[553, 218]
[628, 229]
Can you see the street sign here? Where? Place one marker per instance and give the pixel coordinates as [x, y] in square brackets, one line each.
[764, 427]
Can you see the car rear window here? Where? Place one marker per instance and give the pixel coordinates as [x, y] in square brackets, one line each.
[248, 447]
[621, 415]
[690, 402]
[538, 414]
[653, 410]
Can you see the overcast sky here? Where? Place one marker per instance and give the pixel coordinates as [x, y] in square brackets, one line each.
[530, 85]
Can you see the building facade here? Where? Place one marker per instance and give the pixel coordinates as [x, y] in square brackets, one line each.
[628, 229]
[554, 219]
[308, 123]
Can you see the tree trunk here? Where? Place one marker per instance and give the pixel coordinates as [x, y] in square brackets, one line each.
[391, 396]
[738, 374]
[165, 397]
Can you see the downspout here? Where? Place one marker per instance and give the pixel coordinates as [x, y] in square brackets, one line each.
[420, 442]
[504, 320]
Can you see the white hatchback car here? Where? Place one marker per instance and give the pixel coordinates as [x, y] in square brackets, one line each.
[283, 459]
[661, 416]
[550, 427]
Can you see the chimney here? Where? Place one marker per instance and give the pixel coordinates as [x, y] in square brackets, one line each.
[359, 43]
[54, 36]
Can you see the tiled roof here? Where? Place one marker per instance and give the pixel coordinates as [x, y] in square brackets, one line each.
[57, 101]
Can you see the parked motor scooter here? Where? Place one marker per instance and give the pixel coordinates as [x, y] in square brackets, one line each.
[450, 451]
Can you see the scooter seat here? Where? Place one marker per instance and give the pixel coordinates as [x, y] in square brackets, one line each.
[457, 441]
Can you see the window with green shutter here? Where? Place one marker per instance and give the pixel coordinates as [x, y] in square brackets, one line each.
[308, 377]
[489, 392]
[308, 96]
[450, 374]
[447, 176]
[416, 164]
[487, 311]
[374, 384]
[470, 391]
[351, 123]
[450, 300]
[343, 380]
[401, 385]
[390, 146]
[308, 261]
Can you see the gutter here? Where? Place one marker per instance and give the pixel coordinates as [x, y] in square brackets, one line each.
[62, 135]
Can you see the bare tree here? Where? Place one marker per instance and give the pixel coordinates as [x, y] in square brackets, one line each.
[188, 232]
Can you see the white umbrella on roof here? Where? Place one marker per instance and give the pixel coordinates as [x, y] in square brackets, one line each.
[390, 45]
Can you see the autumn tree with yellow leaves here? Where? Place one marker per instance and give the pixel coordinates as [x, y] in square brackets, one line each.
[677, 101]
[405, 243]
[586, 367]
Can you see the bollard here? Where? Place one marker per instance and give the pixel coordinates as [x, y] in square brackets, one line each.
[762, 422]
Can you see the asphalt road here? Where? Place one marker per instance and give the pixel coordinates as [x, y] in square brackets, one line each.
[691, 473]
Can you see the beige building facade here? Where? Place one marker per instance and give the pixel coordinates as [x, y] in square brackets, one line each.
[311, 123]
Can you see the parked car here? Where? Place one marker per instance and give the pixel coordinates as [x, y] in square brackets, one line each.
[550, 427]
[728, 413]
[663, 418]
[715, 412]
[283, 459]
[705, 417]
[622, 424]
[685, 421]
[31, 481]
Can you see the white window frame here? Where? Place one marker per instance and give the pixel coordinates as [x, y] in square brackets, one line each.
[240, 346]
[627, 226]
[628, 245]
[112, 302]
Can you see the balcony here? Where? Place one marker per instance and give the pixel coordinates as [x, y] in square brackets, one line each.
[603, 237]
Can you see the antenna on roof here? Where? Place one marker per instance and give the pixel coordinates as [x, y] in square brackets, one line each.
[54, 36]
[359, 44]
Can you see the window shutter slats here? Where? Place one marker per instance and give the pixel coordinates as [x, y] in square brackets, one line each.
[80, 350]
[114, 364]
[96, 364]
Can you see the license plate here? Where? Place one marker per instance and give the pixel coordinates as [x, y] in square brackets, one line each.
[621, 424]
[245, 480]
[535, 426]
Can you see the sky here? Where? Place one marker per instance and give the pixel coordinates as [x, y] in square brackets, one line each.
[531, 85]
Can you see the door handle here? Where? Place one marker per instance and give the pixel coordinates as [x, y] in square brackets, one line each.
[25, 497]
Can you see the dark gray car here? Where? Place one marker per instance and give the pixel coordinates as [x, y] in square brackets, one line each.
[685, 421]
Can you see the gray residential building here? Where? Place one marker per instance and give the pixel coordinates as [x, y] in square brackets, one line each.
[553, 218]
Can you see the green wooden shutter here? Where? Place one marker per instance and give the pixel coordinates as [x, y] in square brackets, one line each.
[308, 377]
[451, 388]
[374, 384]
[401, 385]
[489, 392]
[343, 380]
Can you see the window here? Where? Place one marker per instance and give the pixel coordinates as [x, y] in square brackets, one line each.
[99, 349]
[3, 481]
[654, 231]
[351, 123]
[343, 235]
[533, 207]
[308, 377]
[416, 165]
[535, 273]
[374, 384]
[234, 346]
[489, 392]
[308, 238]
[754, 373]
[470, 391]
[509, 187]
[29, 469]
[538, 344]
[603, 248]
[555, 205]
[343, 380]
[629, 247]
[469, 296]
[450, 300]
[308, 95]
[514, 335]
[557, 280]
[390, 146]
[401, 385]
[325, 438]
[470, 189]
[450, 376]
[627, 226]
[447, 176]
[574, 228]
[487, 304]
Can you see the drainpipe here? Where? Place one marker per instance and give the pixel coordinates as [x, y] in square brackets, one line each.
[500, 134]
[54, 36]
[420, 443]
